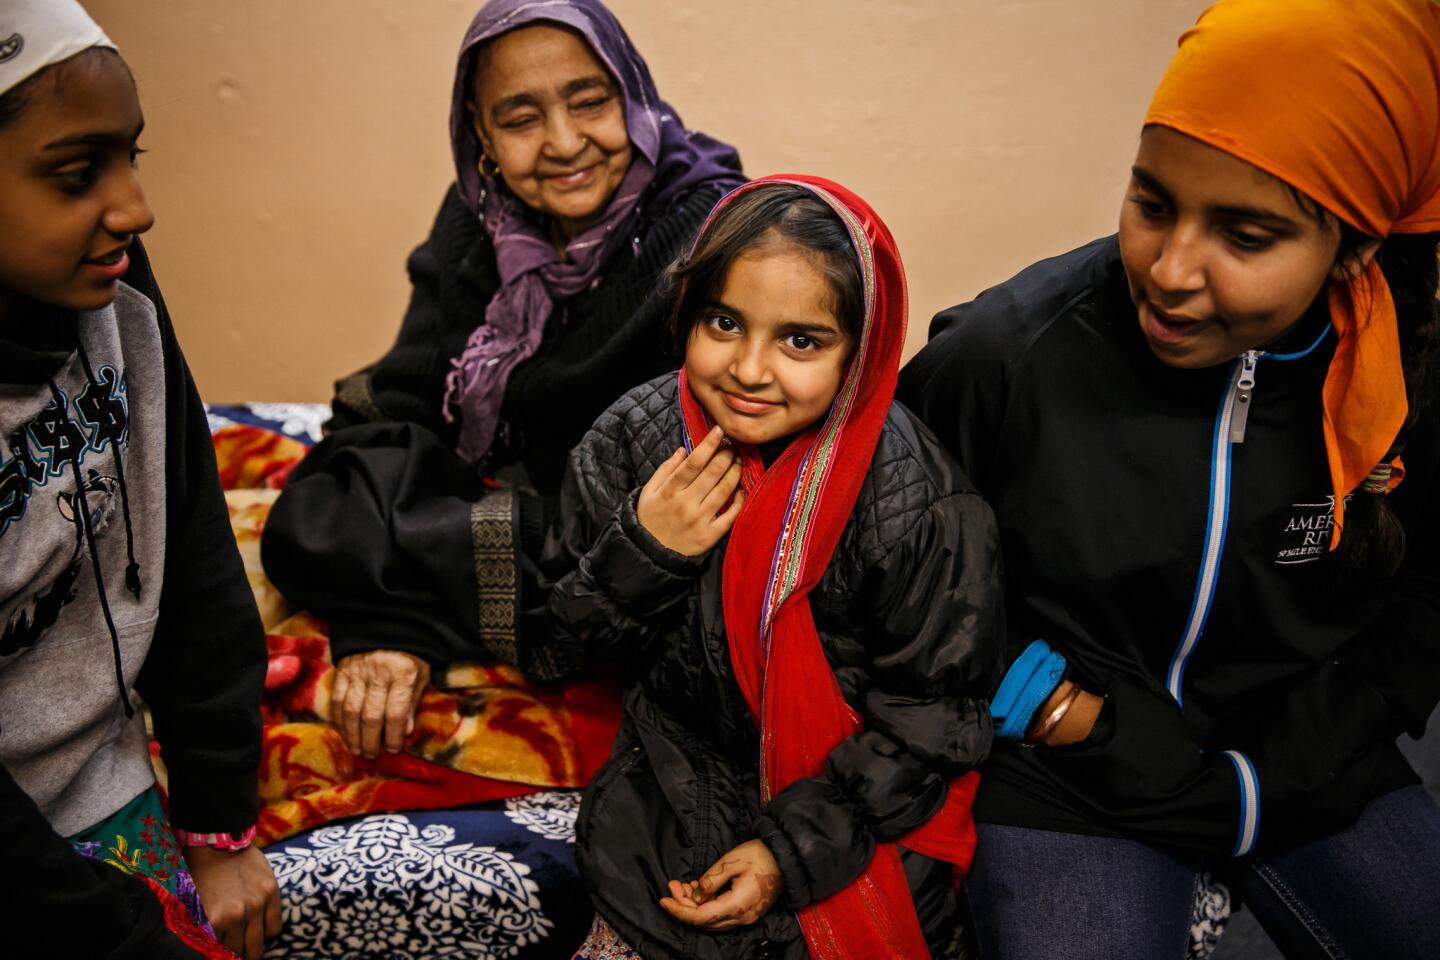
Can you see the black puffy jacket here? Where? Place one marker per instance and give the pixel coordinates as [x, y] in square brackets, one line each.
[909, 615]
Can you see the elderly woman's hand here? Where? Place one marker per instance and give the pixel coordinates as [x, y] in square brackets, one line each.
[374, 699]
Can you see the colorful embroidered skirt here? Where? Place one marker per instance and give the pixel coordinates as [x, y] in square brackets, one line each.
[137, 840]
[604, 943]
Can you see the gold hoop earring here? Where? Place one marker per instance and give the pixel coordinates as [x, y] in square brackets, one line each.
[488, 173]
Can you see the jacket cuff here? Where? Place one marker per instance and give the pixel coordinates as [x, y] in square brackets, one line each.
[676, 564]
[795, 884]
[213, 801]
[1248, 829]
[818, 837]
[636, 570]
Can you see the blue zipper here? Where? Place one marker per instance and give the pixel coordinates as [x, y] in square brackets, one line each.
[1227, 431]
[1230, 424]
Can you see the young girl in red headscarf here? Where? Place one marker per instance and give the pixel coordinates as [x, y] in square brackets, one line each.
[1224, 603]
[805, 590]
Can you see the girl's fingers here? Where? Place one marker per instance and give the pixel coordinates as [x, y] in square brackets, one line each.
[699, 458]
[710, 915]
[724, 485]
[663, 472]
[725, 909]
[720, 874]
[722, 523]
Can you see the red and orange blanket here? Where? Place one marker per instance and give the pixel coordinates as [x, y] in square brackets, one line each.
[483, 731]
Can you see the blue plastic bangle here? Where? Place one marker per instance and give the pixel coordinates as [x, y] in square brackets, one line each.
[1031, 678]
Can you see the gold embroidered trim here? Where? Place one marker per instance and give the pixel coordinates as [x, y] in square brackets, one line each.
[356, 393]
[497, 581]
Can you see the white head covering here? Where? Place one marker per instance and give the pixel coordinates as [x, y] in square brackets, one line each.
[37, 33]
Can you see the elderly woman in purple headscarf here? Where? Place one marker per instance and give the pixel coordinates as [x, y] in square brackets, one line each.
[535, 306]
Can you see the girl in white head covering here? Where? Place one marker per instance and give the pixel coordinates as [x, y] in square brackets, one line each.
[118, 573]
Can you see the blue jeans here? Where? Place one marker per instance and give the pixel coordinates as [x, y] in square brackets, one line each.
[1371, 889]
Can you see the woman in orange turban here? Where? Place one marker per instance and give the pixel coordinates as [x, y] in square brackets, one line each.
[1224, 603]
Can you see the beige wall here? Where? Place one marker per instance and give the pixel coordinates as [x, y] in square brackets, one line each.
[299, 147]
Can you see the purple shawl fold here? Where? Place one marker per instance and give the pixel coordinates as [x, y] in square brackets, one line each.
[669, 161]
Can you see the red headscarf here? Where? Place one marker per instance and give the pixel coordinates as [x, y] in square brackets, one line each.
[780, 545]
[1340, 99]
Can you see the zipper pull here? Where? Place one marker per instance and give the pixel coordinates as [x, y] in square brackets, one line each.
[1244, 391]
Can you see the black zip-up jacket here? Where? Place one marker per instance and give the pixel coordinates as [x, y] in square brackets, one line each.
[908, 613]
[1168, 562]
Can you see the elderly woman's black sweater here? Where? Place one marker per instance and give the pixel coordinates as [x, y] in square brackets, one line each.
[384, 530]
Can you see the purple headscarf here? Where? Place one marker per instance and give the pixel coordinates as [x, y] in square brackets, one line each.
[668, 161]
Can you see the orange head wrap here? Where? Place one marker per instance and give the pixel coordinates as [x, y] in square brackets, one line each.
[1341, 100]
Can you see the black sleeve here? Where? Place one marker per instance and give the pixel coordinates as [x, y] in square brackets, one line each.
[452, 276]
[66, 905]
[933, 624]
[205, 671]
[958, 382]
[383, 530]
[617, 588]
[373, 533]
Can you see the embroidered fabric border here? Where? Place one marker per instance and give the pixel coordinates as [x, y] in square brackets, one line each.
[795, 527]
[356, 393]
[497, 581]
[604, 943]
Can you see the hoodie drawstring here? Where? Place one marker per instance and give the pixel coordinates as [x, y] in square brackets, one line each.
[132, 571]
[82, 510]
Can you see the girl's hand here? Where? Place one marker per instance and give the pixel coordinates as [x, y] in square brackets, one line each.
[681, 505]
[240, 896]
[753, 877]
[373, 700]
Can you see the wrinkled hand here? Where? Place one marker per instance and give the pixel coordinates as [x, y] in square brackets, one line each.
[374, 698]
[753, 879]
[240, 897]
[681, 504]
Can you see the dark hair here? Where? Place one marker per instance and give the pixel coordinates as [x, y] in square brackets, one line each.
[1373, 542]
[14, 101]
[778, 213]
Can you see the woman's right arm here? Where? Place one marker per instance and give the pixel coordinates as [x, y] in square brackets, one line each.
[383, 530]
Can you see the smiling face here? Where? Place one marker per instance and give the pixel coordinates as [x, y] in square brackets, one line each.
[1219, 255]
[766, 358]
[73, 202]
[549, 114]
